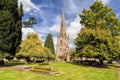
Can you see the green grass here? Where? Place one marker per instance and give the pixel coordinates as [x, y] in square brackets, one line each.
[67, 71]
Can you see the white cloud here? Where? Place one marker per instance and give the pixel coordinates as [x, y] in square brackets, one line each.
[70, 45]
[74, 28]
[57, 19]
[76, 6]
[25, 31]
[55, 28]
[28, 5]
[72, 7]
[117, 15]
[32, 9]
[42, 29]
[55, 42]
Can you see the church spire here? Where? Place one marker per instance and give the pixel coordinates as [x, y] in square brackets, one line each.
[62, 48]
[63, 26]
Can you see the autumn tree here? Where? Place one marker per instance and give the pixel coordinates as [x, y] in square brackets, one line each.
[49, 43]
[10, 26]
[97, 39]
[32, 48]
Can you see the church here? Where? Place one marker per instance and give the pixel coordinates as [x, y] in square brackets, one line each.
[62, 47]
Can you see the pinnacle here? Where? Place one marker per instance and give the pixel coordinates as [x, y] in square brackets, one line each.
[63, 25]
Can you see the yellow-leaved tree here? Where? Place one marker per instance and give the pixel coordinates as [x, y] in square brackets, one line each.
[32, 47]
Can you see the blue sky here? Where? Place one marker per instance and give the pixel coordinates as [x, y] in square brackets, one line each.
[48, 15]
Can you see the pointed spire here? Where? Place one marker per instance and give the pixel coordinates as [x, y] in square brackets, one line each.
[68, 36]
[63, 26]
[57, 33]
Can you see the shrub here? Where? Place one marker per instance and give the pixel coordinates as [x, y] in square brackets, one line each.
[8, 56]
[1, 62]
[14, 62]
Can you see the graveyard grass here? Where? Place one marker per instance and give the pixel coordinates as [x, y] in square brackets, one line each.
[68, 71]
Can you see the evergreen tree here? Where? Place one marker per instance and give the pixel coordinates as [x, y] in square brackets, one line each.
[49, 43]
[98, 37]
[31, 21]
[10, 26]
[21, 10]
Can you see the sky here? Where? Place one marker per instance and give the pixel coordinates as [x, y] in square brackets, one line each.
[48, 15]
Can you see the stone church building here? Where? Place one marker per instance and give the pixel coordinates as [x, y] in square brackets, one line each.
[62, 47]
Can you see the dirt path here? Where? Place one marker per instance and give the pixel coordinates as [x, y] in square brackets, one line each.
[2, 68]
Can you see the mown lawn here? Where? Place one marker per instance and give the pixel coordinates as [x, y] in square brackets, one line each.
[67, 71]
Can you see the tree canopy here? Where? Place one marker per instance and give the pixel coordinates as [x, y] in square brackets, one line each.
[49, 43]
[32, 47]
[100, 16]
[10, 26]
[100, 34]
[30, 22]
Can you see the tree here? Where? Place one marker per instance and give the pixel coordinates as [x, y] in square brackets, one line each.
[10, 26]
[49, 43]
[73, 55]
[31, 21]
[93, 43]
[48, 53]
[100, 16]
[97, 38]
[32, 48]
[21, 12]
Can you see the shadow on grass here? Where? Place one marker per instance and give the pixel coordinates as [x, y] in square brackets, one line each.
[105, 66]
[10, 64]
[114, 65]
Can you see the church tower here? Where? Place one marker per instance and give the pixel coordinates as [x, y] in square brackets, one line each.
[62, 42]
